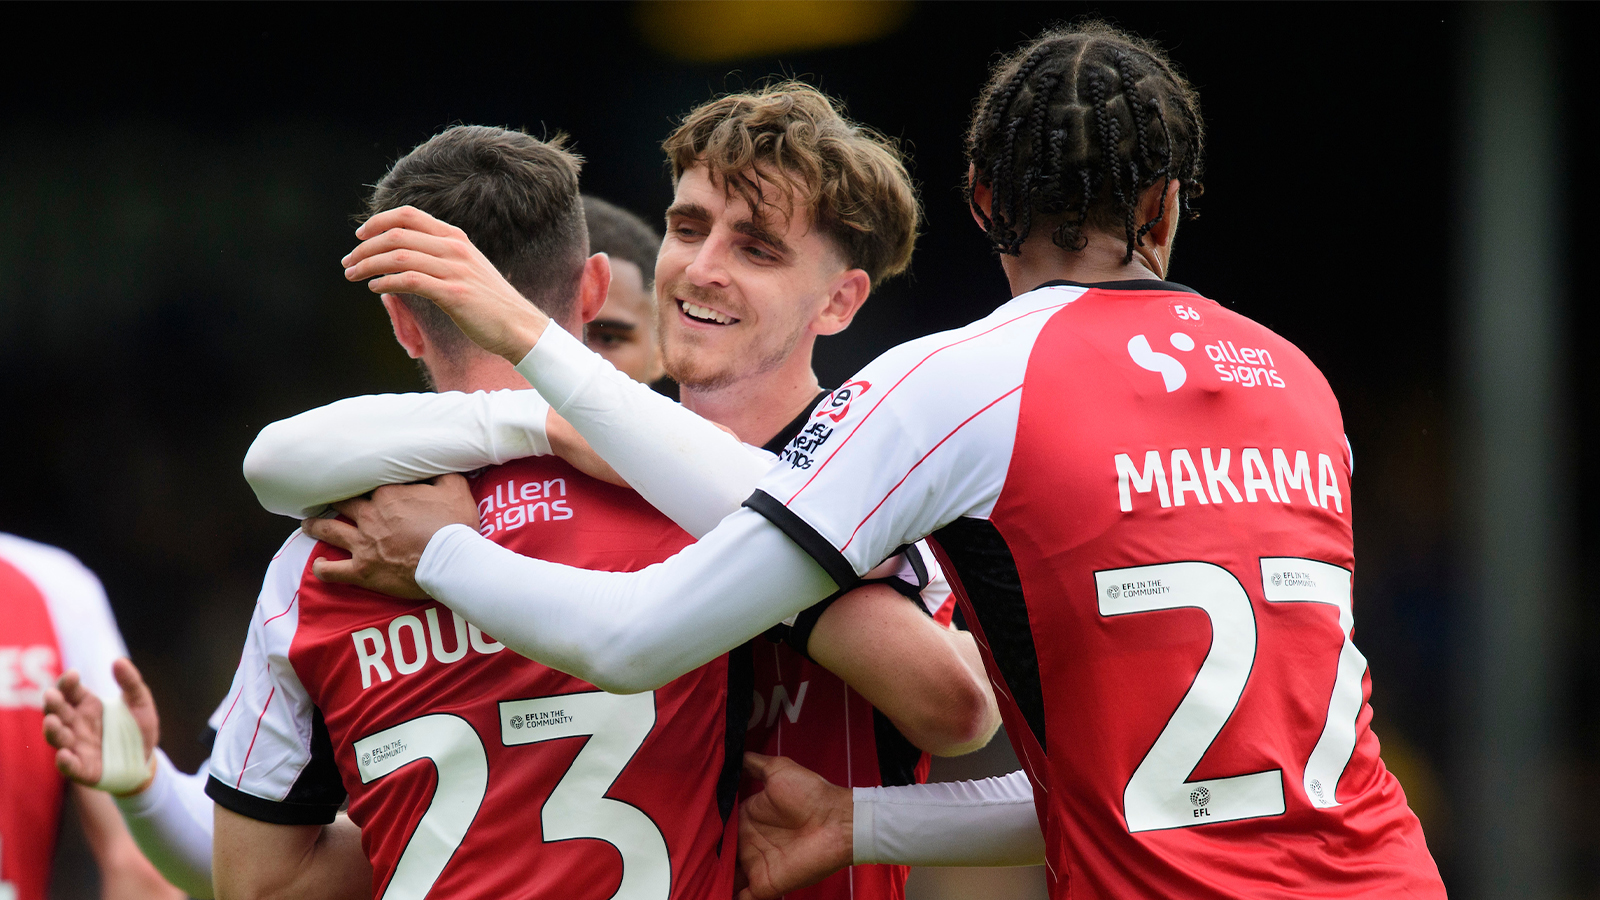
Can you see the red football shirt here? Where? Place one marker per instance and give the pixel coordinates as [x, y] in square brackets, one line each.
[473, 771]
[1143, 502]
[53, 616]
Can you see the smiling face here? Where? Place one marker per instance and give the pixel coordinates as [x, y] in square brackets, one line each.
[736, 297]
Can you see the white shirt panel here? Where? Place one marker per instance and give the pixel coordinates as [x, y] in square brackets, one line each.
[79, 612]
[264, 741]
[928, 440]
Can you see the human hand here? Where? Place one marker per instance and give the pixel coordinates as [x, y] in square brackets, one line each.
[407, 251]
[74, 723]
[795, 832]
[390, 532]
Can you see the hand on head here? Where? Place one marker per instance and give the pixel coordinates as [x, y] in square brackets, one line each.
[391, 531]
[795, 832]
[407, 251]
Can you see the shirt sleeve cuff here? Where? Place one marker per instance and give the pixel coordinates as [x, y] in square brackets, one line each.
[809, 539]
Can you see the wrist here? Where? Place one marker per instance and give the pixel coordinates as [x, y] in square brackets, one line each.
[143, 786]
[523, 334]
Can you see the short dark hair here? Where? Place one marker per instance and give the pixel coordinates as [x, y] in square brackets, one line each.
[621, 235]
[851, 178]
[514, 195]
[1073, 127]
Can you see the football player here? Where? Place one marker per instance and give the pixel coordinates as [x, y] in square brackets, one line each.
[742, 356]
[1141, 497]
[55, 621]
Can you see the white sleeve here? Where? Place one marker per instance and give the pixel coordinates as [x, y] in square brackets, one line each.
[266, 762]
[967, 823]
[79, 612]
[691, 470]
[171, 822]
[627, 631]
[299, 465]
[919, 438]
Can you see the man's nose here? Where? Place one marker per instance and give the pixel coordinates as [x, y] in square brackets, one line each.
[710, 264]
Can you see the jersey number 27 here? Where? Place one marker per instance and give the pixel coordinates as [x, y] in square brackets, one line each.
[1160, 794]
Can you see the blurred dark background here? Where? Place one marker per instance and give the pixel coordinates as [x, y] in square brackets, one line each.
[177, 185]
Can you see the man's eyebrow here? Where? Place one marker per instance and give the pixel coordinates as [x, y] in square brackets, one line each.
[752, 230]
[689, 211]
[613, 324]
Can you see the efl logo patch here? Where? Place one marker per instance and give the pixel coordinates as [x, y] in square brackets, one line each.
[837, 406]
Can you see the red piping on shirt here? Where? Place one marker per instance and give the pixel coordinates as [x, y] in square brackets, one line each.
[924, 458]
[285, 610]
[251, 749]
[902, 381]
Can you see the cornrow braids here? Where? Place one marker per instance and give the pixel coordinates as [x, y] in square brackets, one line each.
[1073, 128]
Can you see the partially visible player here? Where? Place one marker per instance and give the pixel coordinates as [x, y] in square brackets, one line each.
[472, 771]
[625, 330]
[54, 617]
[1142, 498]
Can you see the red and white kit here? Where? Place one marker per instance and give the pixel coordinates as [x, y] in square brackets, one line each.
[1142, 501]
[53, 617]
[804, 712]
[473, 771]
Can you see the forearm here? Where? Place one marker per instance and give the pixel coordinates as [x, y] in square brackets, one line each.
[968, 823]
[171, 823]
[685, 466]
[125, 874]
[909, 667]
[299, 465]
[627, 632]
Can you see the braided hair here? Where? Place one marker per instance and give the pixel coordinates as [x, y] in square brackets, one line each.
[1071, 130]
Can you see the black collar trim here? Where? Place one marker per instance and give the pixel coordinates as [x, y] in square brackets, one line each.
[1136, 284]
[787, 432]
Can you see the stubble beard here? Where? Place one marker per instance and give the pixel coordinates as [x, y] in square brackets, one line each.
[687, 362]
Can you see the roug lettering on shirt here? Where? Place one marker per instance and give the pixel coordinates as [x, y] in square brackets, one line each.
[513, 505]
[406, 645]
[1279, 476]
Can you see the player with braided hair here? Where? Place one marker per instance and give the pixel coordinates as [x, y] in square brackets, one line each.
[1140, 497]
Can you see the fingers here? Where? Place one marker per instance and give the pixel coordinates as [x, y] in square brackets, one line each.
[340, 534]
[134, 691]
[402, 260]
[452, 481]
[406, 217]
[337, 571]
[760, 767]
[70, 684]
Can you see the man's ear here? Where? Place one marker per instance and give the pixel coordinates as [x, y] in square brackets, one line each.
[982, 197]
[593, 286]
[845, 298]
[406, 329]
[1151, 202]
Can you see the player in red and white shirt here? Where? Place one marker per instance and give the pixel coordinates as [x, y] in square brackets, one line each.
[1143, 497]
[472, 771]
[919, 681]
[54, 618]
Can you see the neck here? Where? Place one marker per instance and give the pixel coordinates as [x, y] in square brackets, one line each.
[480, 370]
[756, 406]
[1100, 260]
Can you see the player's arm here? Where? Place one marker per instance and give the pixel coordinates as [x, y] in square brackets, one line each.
[800, 828]
[125, 874]
[928, 679]
[298, 465]
[113, 747]
[682, 464]
[257, 860]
